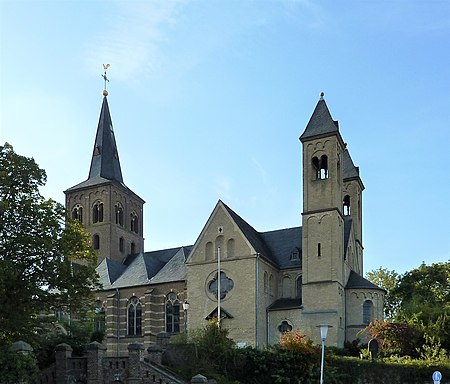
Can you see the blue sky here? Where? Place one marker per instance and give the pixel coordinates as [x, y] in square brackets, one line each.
[208, 99]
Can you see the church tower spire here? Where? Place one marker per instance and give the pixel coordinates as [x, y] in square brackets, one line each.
[106, 207]
[105, 156]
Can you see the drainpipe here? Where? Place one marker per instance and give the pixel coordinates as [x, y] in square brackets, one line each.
[117, 322]
[257, 301]
[267, 326]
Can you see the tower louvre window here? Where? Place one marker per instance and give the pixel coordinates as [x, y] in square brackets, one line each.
[346, 205]
[134, 222]
[77, 213]
[319, 250]
[97, 212]
[119, 214]
[320, 167]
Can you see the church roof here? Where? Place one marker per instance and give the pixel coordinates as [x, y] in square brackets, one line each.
[356, 281]
[105, 157]
[285, 303]
[320, 123]
[153, 267]
[276, 246]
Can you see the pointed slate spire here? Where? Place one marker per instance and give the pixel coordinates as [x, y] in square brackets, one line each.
[105, 157]
[321, 122]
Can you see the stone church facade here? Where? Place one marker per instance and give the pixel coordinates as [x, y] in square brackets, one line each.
[259, 284]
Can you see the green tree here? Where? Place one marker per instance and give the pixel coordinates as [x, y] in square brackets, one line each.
[387, 280]
[424, 292]
[46, 260]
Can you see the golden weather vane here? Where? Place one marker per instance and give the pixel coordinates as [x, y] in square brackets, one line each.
[105, 67]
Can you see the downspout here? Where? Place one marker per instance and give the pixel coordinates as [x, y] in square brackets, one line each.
[117, 322]
[257, 301]
[267, 326]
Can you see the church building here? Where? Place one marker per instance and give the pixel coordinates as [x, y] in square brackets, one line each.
[257, 284]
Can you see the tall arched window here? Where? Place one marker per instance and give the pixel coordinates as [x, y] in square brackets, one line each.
[286, 286]
[209, 251]
[219, 244]
[133, 248]
[346, 205]
[134, 222]
[121, 244]
[271, 292]
[298, 289]
[266, 283]
[99, 317]
[96, 242]
[320, 167]
[134, 317]
[230, 248]
[97, 212]
[77, 213]
[367, 312]
[119, 214]
[172, 313]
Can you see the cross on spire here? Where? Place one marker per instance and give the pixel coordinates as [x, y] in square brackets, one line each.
[105, 67]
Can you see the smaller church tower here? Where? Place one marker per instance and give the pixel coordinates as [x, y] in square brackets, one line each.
[106, 207]
[324, 272]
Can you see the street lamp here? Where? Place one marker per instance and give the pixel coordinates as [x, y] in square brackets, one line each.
[185, 309]
[323, 336]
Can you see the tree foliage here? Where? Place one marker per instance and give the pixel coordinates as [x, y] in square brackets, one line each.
[46, 260]
[387, 280]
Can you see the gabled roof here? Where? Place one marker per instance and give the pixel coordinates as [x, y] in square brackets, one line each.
[320, 123]
[276, 246]
[144, 268]
[356, 281]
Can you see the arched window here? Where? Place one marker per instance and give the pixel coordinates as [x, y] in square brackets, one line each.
[266, 283]
[121, 245]
[96, 242]
[97, 212]
[134, 317]
[172, 313]
[99, 317]
[219, 244]
[346, 205]
[133, 248]
[320, 167]
[271, 293]
[286, 286]
[134, 222]
[119, 214]
[209, 251]
[230, 248]
[367, 312]
[298, 289]
[77, 213]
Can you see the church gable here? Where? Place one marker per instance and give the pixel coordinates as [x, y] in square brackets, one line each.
[221, 231]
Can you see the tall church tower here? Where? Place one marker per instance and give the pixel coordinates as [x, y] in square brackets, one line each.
[325, 234]
[106, 207]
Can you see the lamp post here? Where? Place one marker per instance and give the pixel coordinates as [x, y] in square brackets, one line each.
[323, 336]
[185, 309]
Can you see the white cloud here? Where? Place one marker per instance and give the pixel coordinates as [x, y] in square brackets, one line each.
[131, 42]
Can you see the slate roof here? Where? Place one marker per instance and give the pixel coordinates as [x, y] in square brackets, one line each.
[320, 123]
[348, 169]
[105, 164]
[348, 222]
[356, 281]
[276, 246]
[144, 268]
[285, 303]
